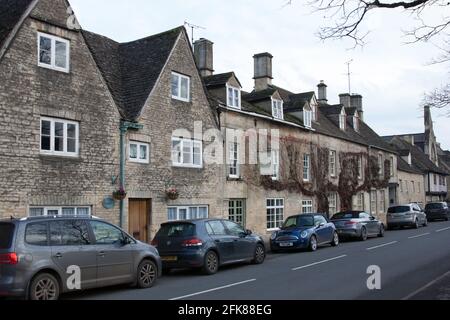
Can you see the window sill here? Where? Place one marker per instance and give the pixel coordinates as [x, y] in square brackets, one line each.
[235, 179]
[181, 101]
[187, 167]
[55, 158]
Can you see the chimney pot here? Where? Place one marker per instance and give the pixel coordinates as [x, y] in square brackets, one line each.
[263, 70]
[204, 56]
[357, 102]
[345, 100]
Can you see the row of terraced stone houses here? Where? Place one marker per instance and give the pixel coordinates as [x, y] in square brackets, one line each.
[85, 119]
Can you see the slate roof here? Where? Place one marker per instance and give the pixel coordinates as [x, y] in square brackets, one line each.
[402, 165]
[10, 13]
[218, 80]
[255, 96]
[131, 69]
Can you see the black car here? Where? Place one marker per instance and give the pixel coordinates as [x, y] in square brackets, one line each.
[207, 244]
[437, 211]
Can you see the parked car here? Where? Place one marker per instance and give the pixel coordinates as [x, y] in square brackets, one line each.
[437, 211]
[207, 244]
[409, 215]
[357, 224]
[39, 255]
[304, 231]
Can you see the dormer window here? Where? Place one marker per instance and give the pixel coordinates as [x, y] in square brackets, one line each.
[342, 120]
[233, 97]
[307, 117]
[277, 109]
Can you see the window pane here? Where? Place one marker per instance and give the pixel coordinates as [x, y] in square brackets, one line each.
[143, 152]
[59, 136]
[230, 97]
[45, 49]
[45, 143]
[182, 214]
[187, 152]
[202, 212]
[193, 213]
[184, 88]
[71, 131]
[71, 145]
[45, 127]
[36, 212]
[175, 88]
[82, 211]
[176, 152]
[72, 233]
[218, 228]
[68, 211]
[36, 234]
[172, 214]
[133, 151]
[105, 233]
[61, 54]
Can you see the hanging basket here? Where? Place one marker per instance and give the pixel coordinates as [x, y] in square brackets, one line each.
[172, 194]
[119, 195]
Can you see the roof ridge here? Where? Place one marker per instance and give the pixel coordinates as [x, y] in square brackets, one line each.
[153, 35]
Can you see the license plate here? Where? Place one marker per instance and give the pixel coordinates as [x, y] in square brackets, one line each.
[169, 259]
[286, 244]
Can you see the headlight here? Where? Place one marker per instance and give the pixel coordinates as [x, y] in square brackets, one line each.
[304, 234]
[274, 235]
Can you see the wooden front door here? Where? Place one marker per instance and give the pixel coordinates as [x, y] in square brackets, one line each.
[139, 218]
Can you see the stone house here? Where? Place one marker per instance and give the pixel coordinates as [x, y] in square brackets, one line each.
[327, 159]
[83, 116]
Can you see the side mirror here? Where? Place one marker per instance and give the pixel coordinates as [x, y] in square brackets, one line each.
[372, 218]
[321, 225]
[248, 232]
[125, 241]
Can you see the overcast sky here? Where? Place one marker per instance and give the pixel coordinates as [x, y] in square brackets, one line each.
[391, 76]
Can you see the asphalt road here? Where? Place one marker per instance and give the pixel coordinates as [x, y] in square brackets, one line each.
[414, 264]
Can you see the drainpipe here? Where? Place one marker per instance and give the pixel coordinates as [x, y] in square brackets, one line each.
[124, 127]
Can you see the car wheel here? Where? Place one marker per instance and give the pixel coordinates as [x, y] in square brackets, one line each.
[416, 224]
[211, 265]
[44, 287]
[335, 241]
[147, 274]
[313, 244]
[260, 254]
[425, 224]
[381, 234]
[363, 234]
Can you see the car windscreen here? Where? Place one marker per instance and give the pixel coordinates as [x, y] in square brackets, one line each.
[305, 221]
[400, 209]
[433, 206]
[6, 235]
[345, 215]
[177, 230]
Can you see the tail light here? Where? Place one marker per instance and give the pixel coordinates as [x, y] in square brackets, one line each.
[9, 258]
[351, 223]
[195, 242]
[154, 243]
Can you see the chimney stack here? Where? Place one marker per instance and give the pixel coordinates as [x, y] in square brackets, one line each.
[345, 100]
[263, 71]
[357, 102]
[322, 92]
[203, 52]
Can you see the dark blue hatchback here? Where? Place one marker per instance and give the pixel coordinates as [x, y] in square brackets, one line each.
[207, 244]
[305, 231]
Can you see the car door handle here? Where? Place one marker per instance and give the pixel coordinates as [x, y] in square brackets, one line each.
[218, 241]
[101, 254]
[58, 256]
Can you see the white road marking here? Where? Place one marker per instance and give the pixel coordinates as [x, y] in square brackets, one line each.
[383, 245]
[420, 235]
[320, 262]
[415, 293]
[445, 229]
[215, 289]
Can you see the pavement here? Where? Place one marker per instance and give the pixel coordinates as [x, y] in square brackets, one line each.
[413, 265]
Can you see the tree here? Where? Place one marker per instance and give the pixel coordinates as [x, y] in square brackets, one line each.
[347, 18]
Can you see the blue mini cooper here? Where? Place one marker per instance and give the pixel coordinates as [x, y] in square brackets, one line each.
[305, 231]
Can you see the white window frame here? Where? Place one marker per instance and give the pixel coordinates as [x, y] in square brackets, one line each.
[188, 212]
[360, 168]
[277, 109]
[307, 206]
[182, 142]
[234, 154]
[276, 222]
[332, 203]
[180, 77]
[373, 202]
[275, 164]
[236, 93]
[52, 64]
[392, 169]
[342, 120]
[382, 201]
[52, 151]
[314, 112]
[360, 201]
[307, 118]
[306, 167]
[60, 210]
[333, 162]
[356, 123]
[139, 145]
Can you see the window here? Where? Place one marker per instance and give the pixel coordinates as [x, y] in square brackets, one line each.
[307, 115]
[233, 166]
[342, 120]
[306, 167]
[277, 109]
[216, 228]
[275, 213]
[332, 203]
[332, 163]
[233, 97]
[236, 211]
[307, 206]
[382, 201]
[69, 233]
[380, 164]
[59, 211]
[318, 220]
[234, 229]
[181, 87]
[36, 234]
[360, 168]
[360, 201]
[53, 52]
[373, 202]
[187, 153]
[59, 137]
[314, 112]
[187, 213]
[356, 123]
[273, 168]
[6, 235]
[391, 168]
[139, 152]
[106, 234]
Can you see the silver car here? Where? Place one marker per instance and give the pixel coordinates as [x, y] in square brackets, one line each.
[409, 215]
[357, 224]
[42, 257]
